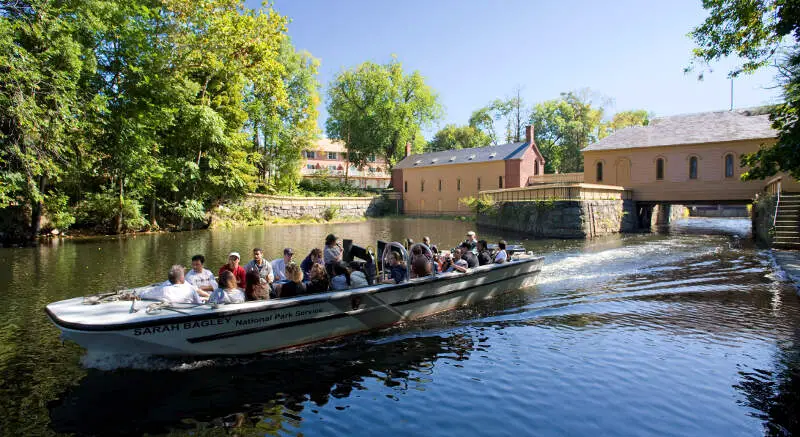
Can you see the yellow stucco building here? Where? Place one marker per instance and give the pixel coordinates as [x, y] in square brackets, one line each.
[693, 158]
[432, 183]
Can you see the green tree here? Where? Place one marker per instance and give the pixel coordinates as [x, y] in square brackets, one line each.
[452, 137]
[759, 32]
[376, 109]
[46, 59]
[563, 127]
[510, 111]
[482, 119]
[280, 134]
[624, 119]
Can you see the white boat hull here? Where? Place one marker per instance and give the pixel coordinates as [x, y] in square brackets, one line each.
[276, 324]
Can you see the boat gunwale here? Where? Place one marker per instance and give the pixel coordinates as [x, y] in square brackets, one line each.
[293, 302]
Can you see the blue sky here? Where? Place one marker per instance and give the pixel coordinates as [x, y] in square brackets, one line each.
[472, 52]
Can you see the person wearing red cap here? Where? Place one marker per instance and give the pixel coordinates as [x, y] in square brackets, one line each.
[234, 267]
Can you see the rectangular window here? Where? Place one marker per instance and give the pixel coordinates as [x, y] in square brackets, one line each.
[331, 155]
[479, 184]
[405, 186]
[310, 154]
[458, 184]
[371, 158]
[500, 182]
[422, 186]
[440, 185]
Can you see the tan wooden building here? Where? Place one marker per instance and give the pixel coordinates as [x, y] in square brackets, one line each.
[432, 183]
[690, 158]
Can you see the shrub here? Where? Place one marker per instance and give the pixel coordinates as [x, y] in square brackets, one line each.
[331, 212]
[481, 205]
[191, 210]
[57, 211]
[101, 209]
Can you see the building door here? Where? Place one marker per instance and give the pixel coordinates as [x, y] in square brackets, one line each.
[624, 172]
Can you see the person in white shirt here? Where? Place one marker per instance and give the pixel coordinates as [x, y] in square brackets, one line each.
[227, 292]
[501, 256]
[177, 291]
[333, 250]
[279, 265]
[200, 277]
[261, 265]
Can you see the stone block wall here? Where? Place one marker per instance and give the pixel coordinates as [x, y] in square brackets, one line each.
[562, 218]
[763, 215]
[316, 207]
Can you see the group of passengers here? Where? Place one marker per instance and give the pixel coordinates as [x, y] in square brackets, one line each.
[321, 271]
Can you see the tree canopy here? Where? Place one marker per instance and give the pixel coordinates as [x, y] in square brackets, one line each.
[759, 32]
[452, 137]
[109, 105]
[375, 109]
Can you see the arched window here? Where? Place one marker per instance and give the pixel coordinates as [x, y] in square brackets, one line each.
[479, 184]
[693, 167]
[599, 172]
[405, 186]
[729, 165]
[660, 169]
[440, 185]
[421, 186]
[458, 184]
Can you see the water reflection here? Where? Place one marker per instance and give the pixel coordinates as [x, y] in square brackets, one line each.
[259, 393]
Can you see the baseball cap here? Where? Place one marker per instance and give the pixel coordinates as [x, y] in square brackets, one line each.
[288, 251]
[236, 254]
[471, 233]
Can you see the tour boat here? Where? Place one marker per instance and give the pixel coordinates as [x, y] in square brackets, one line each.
[142, 327]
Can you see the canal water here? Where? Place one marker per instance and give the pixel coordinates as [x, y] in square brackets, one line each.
[685, 333]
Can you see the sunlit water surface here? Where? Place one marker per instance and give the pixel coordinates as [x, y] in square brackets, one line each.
[689, 332]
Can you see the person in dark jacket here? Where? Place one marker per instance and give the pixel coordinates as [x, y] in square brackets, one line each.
[484, 255]
[315, 256]
[295, 286]
[318, 279]
[468, 256]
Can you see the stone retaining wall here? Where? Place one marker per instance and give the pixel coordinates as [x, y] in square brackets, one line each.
[562, 218]
[316, 207]
[763, 215]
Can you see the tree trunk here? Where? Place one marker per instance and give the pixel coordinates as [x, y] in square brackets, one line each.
[153, 220]
[36, 211]
[121, 205]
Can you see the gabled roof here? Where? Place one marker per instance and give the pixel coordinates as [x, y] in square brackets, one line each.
[465, 156]
[705, 127]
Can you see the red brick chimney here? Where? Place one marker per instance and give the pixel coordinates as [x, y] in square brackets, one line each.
[408, 149]
[529, 134]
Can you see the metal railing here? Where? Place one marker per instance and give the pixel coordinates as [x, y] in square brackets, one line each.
[559, 192]
[773, 187]
[555, 178]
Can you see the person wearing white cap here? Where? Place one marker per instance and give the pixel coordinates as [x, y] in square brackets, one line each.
[234, 267]
[472, 242]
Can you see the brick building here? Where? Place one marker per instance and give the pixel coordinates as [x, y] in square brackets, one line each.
[432, 183]
[329, 159]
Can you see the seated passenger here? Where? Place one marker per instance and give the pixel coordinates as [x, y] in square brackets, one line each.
[177, 290]
[295, 286]
[257, 287]
[501, 256]
[484, 255]
[421, 267]
[472, 241]
[398, 272]
[468, 256]
[318, 279]
[358, 278]
[341, 278]
[426, 240]
[260, 265]
[458, 265]
[234, 267]
[202, 279]
[333, 250]
[279, 265]
[314, 257]
[227, 292]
